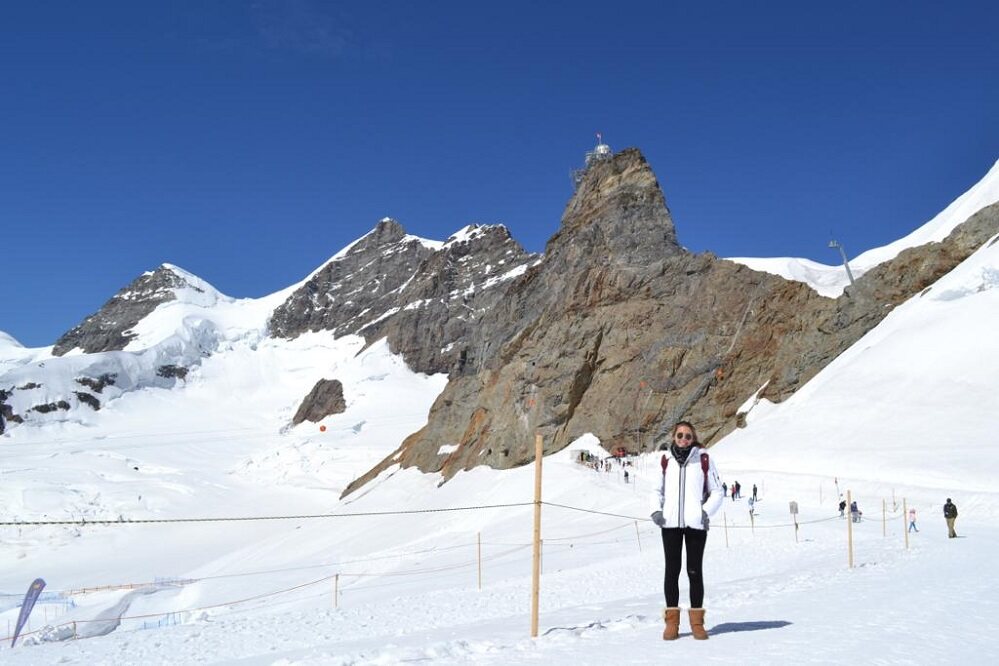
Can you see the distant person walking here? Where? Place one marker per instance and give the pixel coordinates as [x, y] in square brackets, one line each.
[855, 512]
[912, 521]
[754, 492]
[842, 508]
[689, 492]
[950, 513]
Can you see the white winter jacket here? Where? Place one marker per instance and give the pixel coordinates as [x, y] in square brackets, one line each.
[679, 492]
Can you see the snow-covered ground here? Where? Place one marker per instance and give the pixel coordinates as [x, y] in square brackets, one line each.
[831, 280]
[409, 570]
[908, 415]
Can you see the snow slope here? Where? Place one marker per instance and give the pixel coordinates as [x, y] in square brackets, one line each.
[286, 572]
[904, 418]
[920, 383]
[831, 280]
[200, 321]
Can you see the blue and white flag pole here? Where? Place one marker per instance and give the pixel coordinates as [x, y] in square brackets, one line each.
[29, 603]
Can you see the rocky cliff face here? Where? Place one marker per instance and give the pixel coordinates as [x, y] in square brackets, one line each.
[356, 287]
[426, 299]
[438, 327]
[617, 330]
[620, 332]
[109, 328]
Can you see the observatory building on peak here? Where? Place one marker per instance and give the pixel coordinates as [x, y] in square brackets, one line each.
[601, 152]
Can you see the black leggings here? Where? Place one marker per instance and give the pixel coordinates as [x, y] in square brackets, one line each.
[673, 538]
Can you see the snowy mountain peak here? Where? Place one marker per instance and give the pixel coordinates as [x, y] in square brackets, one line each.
[472, 232]
[7, 340]
[832, 280]
[193, 289]
[983, 193]
[424, 286]
[110, 328]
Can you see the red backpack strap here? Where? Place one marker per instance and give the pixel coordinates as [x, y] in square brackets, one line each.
[664, 462]
[704, 468]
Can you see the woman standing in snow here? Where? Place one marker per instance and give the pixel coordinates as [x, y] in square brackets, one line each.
[688, 493]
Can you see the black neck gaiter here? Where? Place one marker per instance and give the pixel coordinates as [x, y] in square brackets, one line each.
[680, 453]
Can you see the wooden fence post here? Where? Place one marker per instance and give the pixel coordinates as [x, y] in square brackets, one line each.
[536, 565]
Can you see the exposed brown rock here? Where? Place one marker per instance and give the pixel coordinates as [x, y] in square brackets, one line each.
[621, 332]
[325, 399]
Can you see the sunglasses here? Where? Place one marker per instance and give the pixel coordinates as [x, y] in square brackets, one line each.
[684, 435]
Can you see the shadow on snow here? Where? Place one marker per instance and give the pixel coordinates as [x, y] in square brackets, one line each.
[733, 627]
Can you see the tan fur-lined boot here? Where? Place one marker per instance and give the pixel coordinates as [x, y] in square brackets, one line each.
[672, 618]
[697, 624]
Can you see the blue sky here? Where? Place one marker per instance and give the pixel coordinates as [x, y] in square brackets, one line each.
[249, 141]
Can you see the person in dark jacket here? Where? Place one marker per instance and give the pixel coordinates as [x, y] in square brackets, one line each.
[950, 513]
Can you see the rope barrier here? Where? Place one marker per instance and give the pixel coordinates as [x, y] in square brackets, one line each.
[359, 575]
[191, 580]
[358, 514]
[574, 538]
[417, 572]
[583, 536]
[139, 521]
[746, 527]
[283, 591]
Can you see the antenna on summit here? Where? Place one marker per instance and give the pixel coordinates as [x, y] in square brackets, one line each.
[842, 253]
[601, 152]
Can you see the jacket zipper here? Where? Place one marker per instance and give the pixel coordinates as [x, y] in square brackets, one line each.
[683, 480]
